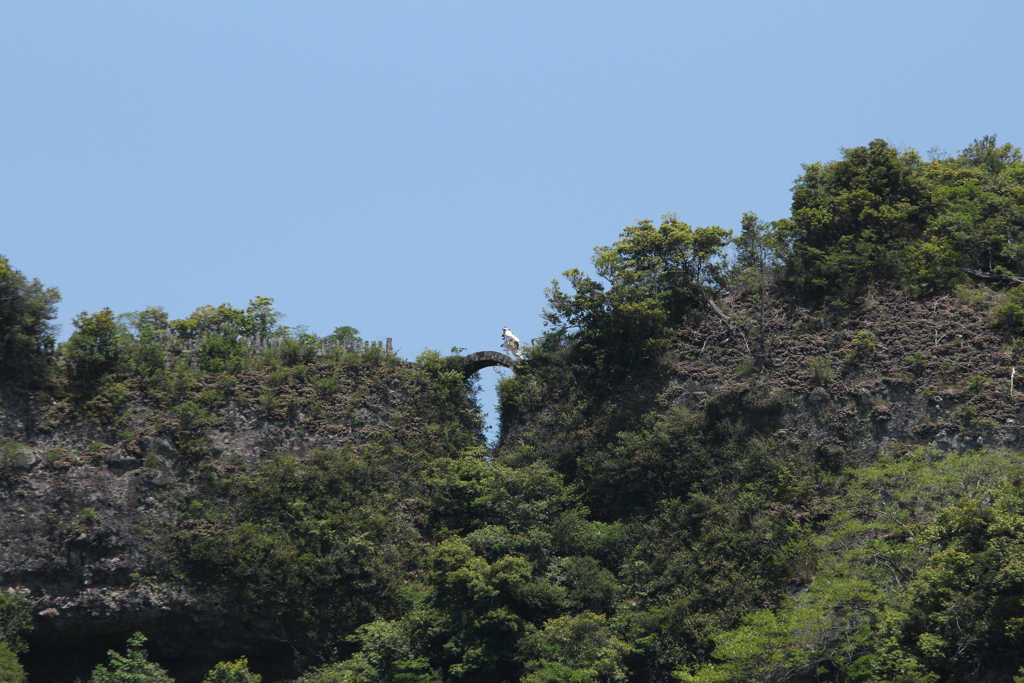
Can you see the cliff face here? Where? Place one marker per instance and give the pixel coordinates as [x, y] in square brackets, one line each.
[86, 491]
[88, 488]
[890, 371]
[884, 375]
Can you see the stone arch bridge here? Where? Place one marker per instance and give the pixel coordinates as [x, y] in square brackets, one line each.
[475, 362]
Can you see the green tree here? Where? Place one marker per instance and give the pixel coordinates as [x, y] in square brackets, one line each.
[674, 264]
[910, 585]
[476, 612]
[94, 350]
[150, 330]
[582, 643]
[15, 621]
[221, 321]
[258, 322]
[232, 672]
[312, 552]
[387, 655]
[826, 629]
[963, 612]
[11, 670]
[977, 211]
[985, 154]
[26, 333]
[260, 319]
[757, 266]
[148, 325]
[656, 276]
[131, 667]
[220, 329]
[881, 214]
[1010, 314]
[852, 217]
[344, 336]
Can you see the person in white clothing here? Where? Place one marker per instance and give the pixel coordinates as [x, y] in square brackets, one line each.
[510, 343]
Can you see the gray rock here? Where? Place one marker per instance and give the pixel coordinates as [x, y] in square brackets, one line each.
[819, 396]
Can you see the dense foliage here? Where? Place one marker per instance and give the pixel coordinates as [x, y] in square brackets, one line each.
[130, 667]
[623, 528]
[15, 622]
[26, 309]
[882, 214]
[657, 277]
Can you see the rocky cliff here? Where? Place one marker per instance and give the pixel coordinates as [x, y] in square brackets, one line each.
[88, 489]
[883, 375]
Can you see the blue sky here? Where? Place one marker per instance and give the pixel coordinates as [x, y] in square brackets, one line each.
[422, 171]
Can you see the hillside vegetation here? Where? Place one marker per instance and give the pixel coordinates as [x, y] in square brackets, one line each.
[790, 454]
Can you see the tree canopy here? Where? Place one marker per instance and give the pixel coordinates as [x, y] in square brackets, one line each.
[656, 276]
[26, 331]
[881, 214]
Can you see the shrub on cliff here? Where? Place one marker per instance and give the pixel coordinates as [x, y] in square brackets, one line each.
[1010, 315]
[232, 672]
[15, 621]
[131, 667]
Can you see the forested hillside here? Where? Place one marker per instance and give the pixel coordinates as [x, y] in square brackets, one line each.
[792, 453]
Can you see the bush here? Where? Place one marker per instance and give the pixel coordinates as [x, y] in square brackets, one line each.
[10, 669]
[146, 360]
[57, 459]
[15, 621]
[819, 370]
[916, 362]
[269, 402]
[193, 423]
[1010, 315]
[977, 383]
[232, 672]
[107, 402]
[131, 667]
[745, 369]
[862, 346]
[217, 354]
[932, 267]
[299, 351]
[373, 355]
[12, 458]
[328, 386]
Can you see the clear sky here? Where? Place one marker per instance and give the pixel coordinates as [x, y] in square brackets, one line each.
[423, 170]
